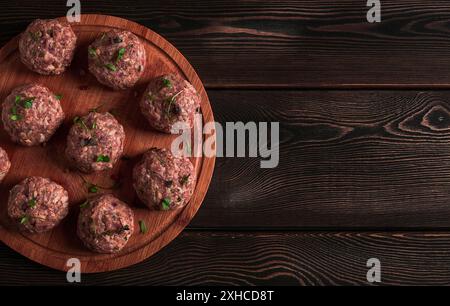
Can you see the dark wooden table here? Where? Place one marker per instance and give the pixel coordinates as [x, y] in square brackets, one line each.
[364, 112]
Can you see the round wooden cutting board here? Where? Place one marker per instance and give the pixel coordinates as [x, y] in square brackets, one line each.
[81, 92]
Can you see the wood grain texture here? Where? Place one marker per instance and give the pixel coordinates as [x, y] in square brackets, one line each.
[81, 92]
[285, 43]
[227, 258]
[348, 159]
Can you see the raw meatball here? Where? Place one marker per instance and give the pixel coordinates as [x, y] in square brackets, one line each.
[5, 164]
[105, 224]
[163, 181]
[117, 59]
[95, 142]
[31, 114]
[47, 46]
[37, 204]
[167, 100]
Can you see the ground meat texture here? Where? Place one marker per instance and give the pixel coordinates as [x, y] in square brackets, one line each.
[37, 204]
[117, 59]
[105, 224]
[95, 142]
[31, 114]
[163, 181]
[167, 100]
[47, 46]
[5, 164]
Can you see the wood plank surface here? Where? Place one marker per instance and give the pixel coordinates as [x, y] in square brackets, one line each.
[348, 159]
[249, 258]
[286, 43]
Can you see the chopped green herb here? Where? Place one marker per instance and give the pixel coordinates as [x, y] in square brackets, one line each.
[79, 121]
[143, 227]
[162, 161]
[167, 83]
[170, 101]
[120, 54]
[15, 117]
[83, 124]
[165, 203]
[103, 159]
[92, 52]
[111, 67]
[35, 35]
[28, 103]
[32, 202]
[84, 204]
[93, 188]
[24, 220]
[59, 97]
[184, 179]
